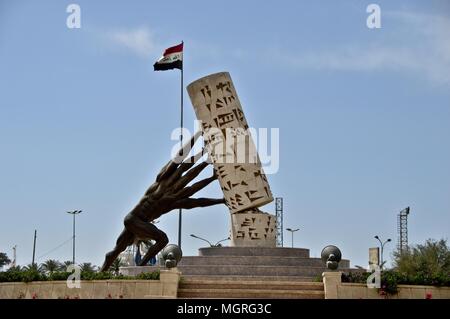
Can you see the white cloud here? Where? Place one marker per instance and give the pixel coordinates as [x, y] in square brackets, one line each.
[416, 43]
[353, 58]
[139, 41]
[431, 34]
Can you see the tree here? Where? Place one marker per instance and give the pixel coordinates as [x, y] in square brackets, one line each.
[33, 267]
[87, 267]
[116, 266]
[66, 264]
[51, 266]
[431, 259]
[4, 260]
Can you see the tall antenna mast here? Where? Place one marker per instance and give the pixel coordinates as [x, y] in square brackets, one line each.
[279, 217]
[402, 227]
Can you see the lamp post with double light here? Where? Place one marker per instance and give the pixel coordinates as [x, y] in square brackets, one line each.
[292, 234]
[382, 249]
[210, 244]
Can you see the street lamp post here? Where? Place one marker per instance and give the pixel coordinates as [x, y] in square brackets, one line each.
[292, 233]
[210, 245]
[74, 213]
[217, 244]
[382, 247]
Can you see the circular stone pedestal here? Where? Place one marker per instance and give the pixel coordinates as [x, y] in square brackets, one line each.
[254, 251]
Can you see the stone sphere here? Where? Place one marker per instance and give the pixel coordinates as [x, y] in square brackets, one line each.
[172, 253]
[331, 256]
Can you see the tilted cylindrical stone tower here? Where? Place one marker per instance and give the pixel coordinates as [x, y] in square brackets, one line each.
[235, 159]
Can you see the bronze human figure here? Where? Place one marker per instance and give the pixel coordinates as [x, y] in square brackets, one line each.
[168, 192]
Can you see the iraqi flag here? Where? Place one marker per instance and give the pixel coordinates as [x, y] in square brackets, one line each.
[171, 59]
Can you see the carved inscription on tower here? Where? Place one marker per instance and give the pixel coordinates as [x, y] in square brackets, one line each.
[229, 143]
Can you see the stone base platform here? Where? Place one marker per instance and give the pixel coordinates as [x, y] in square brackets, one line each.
[255, 262]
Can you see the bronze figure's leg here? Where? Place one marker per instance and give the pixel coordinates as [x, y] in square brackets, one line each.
[161, 241]
[125, 239]
[145, 230]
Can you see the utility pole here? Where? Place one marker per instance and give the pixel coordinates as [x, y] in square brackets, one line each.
[74, 213]
[34, 247]
[13, 264]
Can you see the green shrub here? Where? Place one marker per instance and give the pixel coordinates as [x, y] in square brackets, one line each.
[88, 275]
[149, 275]
[16, 275]
[28, 275]
[355, 277]
[33, 275]
[12, 275]
[436, 279]
[389, 281]
[59, 275]
[318, 278]
[427, 263]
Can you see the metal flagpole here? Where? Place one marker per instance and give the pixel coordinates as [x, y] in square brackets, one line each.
[181, 145]
[34, 247]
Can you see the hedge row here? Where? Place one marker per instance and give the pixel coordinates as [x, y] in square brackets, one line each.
[34, 275]
[390, 279]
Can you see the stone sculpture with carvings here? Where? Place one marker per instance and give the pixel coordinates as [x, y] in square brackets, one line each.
[236, 161]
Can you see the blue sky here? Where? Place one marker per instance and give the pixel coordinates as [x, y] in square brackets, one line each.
[363, 114]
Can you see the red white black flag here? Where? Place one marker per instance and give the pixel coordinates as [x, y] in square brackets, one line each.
[171, 59]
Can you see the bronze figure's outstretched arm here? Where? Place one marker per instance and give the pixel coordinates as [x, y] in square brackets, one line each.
[168, 192]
